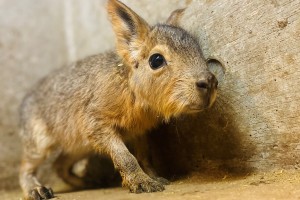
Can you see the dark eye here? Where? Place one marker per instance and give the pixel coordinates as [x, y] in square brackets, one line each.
[156, 61]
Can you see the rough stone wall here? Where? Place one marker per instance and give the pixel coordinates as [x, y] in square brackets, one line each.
[255, 122]
[258, 43]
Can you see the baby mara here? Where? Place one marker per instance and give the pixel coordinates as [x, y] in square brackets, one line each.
[94, 105]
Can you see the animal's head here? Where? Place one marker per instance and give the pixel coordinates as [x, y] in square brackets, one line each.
[167, 70]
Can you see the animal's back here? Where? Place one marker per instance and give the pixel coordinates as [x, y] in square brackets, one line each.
[61, 101]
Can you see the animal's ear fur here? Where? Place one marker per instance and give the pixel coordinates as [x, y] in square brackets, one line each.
[175, 17]
[130, 29]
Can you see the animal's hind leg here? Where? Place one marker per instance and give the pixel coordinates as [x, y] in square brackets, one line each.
[36, 149]
[30, 185]
[64, 165]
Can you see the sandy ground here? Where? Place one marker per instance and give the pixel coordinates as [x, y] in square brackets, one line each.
[275, 185]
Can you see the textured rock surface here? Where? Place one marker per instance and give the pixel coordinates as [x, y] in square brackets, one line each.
[255, 122]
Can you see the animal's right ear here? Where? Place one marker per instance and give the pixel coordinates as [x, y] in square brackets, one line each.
[131, 31]
[175, 17]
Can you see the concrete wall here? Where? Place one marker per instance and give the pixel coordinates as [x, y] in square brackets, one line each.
[39, 36]
[254, 124]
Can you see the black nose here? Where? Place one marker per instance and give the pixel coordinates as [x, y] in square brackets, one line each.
[208, 83]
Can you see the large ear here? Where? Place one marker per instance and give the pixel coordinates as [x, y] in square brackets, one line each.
[175, 17]
[130, 29]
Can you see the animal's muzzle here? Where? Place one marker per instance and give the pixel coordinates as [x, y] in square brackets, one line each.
[208, 86]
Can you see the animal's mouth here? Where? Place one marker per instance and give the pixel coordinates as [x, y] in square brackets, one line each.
[212, 98]
[206, 103]
[194, 108]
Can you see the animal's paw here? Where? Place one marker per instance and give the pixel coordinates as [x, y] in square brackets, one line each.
[144, 183]
[40, 193]
[161, 180]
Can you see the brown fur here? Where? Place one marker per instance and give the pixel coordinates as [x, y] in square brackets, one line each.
[95, 104]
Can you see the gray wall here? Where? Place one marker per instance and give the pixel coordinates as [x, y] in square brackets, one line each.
[254, 124]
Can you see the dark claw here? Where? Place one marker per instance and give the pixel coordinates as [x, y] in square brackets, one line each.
[147, 186]
[34, 195]
[41, 193]
[45, 193]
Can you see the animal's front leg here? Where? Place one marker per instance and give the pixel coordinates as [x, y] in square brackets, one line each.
[132, 174]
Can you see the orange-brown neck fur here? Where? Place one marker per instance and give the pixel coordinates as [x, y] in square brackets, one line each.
[133, 114]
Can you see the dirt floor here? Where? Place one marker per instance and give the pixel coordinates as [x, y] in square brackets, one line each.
[275, 185]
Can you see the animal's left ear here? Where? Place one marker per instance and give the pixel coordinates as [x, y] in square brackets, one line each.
[175, 17]
[131, 31]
